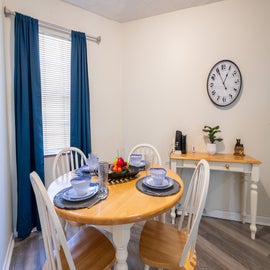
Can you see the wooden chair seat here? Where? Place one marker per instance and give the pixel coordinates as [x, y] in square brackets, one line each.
[90, 249]
[161, 246]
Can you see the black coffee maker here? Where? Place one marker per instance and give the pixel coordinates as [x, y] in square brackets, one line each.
[180, 142]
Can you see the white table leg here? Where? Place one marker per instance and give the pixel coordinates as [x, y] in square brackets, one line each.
[244, 197]
[121, 236]
[161, 218]
[253, 199]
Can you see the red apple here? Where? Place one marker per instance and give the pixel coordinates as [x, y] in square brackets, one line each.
[120, 162]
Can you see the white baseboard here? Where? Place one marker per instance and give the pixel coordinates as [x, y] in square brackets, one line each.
[9, 253]
[263, 221]
[234, 216]
[224, 215]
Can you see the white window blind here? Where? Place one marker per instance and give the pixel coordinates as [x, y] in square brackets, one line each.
[55, 88]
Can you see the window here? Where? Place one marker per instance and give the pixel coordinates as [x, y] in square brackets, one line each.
[55, 89]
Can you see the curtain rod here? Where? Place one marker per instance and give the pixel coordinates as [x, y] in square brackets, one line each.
[55, 27]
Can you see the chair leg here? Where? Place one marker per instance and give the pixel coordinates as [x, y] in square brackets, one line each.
[173, 215]
[162, 218]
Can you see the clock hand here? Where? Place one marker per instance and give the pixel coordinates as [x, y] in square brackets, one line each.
[218, 72]
[227, 75]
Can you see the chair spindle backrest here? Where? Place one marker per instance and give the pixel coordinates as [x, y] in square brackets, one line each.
[193, 205]
[53, 235]
[67, 160]
[146, 149]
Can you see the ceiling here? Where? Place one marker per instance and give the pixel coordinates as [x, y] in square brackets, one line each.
[128, 10]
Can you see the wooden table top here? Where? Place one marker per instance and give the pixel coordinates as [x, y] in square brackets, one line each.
[124, 204]
[216, 157]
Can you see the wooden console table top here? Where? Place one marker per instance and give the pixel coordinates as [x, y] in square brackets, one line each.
[216, 158]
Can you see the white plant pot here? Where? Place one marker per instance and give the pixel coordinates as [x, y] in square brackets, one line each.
[211, 148]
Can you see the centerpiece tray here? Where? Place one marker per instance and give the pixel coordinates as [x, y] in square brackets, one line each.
[127, 174]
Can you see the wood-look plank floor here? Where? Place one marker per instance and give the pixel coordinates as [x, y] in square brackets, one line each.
[221, 245]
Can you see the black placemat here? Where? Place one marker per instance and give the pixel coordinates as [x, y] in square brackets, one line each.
[158, 192]
[60, 202]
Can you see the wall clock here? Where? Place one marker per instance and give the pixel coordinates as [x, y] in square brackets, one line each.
[224, 83]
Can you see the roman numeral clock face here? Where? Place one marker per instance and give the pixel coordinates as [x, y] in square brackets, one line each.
[224, 83]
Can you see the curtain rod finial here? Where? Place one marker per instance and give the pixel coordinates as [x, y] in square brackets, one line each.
[8, 12]
[98, 39]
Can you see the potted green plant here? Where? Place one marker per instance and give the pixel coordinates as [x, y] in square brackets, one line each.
[211, 133]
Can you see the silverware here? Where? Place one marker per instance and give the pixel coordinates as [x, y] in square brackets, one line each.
[150, 192]
[102, 194]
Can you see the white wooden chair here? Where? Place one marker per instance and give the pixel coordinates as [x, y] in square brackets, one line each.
[150, 151]
[67, 160]
[165, 246]
[87, 249]
[146, 149]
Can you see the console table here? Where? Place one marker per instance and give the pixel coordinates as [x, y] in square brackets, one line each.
[227, 162]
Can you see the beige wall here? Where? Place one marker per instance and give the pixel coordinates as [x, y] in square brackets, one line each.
[166, 61]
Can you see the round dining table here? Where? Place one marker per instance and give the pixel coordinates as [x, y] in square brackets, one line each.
[124, 206]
